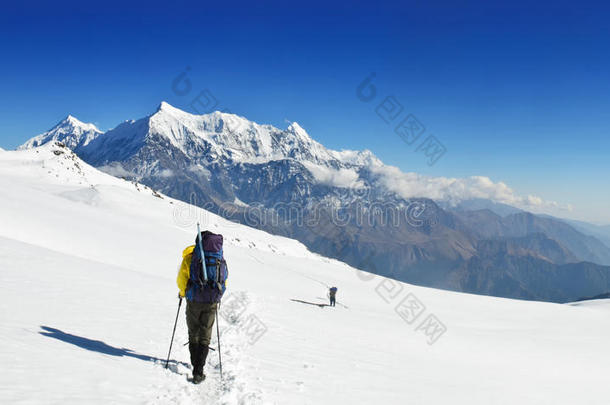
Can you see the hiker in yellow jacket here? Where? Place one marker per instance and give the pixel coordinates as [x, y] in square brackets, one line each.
[203, 290]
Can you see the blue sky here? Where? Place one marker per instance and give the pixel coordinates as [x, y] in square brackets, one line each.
[518, 92]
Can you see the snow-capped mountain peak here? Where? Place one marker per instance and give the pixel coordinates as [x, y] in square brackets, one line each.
[74, 123]
[165, 106]
[298, 130]
[168, 109]
[74, 133]
[216, 136]
[226, 136]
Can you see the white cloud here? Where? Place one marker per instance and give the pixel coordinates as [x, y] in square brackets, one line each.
[454, 190]
[345, 178]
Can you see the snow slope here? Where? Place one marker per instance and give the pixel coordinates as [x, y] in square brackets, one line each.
[88, 300]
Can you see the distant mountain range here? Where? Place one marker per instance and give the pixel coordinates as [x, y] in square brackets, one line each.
[348, 204]
[598, 231]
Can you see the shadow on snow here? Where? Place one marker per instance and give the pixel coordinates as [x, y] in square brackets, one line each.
[311, 303]
[100, 347]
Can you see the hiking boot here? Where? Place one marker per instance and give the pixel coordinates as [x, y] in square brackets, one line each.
[198, 378]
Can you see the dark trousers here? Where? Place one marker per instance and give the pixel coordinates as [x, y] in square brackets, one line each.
[200, 321]
[332, 301]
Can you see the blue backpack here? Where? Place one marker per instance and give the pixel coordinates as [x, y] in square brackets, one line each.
[210, 287]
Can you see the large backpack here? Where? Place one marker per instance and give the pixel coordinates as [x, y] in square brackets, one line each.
[210, 291]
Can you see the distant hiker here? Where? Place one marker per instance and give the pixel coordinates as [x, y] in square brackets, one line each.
[332, 293]
[203, 292]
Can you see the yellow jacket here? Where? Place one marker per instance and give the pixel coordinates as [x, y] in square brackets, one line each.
[185, 270]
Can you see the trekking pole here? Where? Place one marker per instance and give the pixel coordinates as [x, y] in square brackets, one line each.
[218, 338]
[173, 333]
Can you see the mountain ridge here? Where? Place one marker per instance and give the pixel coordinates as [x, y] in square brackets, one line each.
[341, 204]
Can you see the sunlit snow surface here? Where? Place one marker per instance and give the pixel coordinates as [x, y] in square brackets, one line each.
[88, 301]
